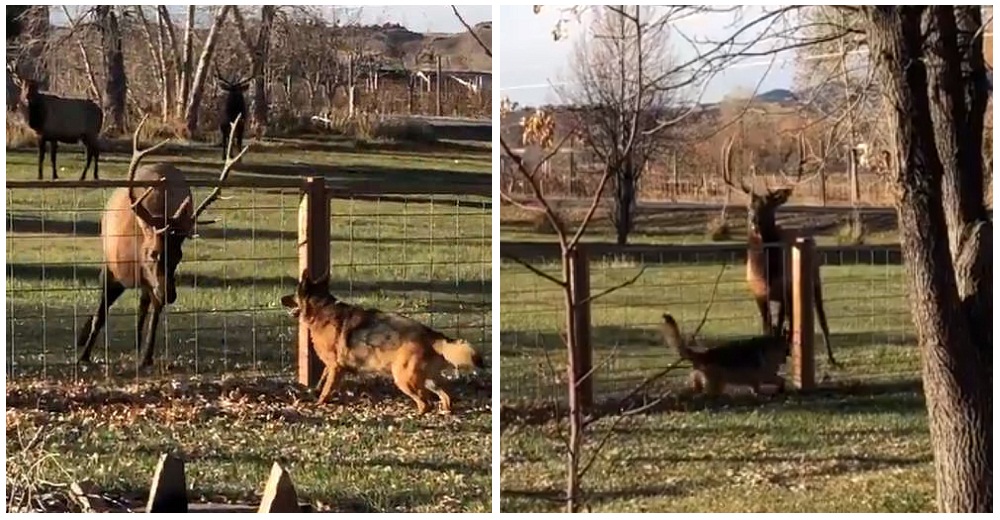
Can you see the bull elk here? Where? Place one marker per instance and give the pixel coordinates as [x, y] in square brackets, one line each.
[768, 251]
[234, 111]
[142, 236]
[59, 120]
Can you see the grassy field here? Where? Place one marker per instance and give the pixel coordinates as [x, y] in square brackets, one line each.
[423, 250]
[860, 443]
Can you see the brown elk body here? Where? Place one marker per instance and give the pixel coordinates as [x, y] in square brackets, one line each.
[60, 120]
[142, 233]
[769, 254]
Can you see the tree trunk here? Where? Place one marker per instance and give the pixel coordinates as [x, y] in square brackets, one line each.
[198, 83]
[187, 66]
[261, 51]
[115, 86]
[956, 369]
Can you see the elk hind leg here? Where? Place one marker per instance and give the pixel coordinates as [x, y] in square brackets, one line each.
[41, 155]
[764, 306]
[89, 149]
[52, 156]
[111, 290]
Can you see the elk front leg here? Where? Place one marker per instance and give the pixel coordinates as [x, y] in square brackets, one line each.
[145, 301]
[111, 290]
[150, 339]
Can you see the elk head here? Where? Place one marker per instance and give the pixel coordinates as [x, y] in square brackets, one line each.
[160, 250]
[233, 87]
[761, 207]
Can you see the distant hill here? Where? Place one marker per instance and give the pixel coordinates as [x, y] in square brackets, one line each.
[459, 51]
[778, 95]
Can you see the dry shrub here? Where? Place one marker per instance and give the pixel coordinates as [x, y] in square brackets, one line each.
[286, 123]
[851, 233]
[540, 223]
[19, 134]
[157, 129]
[718, 229]
[405, 131]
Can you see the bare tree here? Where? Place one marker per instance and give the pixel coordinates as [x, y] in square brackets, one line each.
[931, 75]
[922, 55]
[201, 72]
[187, 64]
[623, 83]
[108, 19]
[258, 48]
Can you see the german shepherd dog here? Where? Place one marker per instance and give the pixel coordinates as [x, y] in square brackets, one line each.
[348, 338]
[742, 362]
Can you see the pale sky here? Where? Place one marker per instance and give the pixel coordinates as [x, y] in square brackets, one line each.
[527, 59]
[419, 18]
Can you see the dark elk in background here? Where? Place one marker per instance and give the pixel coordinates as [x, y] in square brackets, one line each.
[234, 111]
[768, 253]
[59, 120]
[142, 233]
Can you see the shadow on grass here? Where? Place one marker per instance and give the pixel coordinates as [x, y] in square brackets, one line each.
[646, 341]
[69, 273]
[28, 223]
[556, 496]
[389, 179]
[899, 396]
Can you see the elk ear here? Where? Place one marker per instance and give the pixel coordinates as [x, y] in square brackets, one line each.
[244, 87]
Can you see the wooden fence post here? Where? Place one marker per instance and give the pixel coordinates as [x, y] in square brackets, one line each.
[314, 257]
[438, 82]
[168, 494]
[803, 366]
[582, 355]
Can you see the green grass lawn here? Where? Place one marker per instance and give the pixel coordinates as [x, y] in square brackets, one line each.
[858, 444]
[424, 251]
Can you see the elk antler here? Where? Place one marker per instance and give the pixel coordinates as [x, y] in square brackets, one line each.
[727, 169]
[137, 155]
[800, 167]
[226, 168]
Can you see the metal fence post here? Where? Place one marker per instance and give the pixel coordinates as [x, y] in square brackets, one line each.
[314, 257]
[803, 366]
[582, 361]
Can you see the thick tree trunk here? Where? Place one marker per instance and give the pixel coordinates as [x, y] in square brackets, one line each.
[187, 65]
[115, 86]
[258, 50]
[198, 83]
[957, 383]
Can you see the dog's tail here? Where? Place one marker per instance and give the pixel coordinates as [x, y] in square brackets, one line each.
[672, 337]
[458, 352]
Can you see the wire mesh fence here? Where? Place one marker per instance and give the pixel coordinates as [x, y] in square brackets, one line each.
[424, 256]
[863, 292]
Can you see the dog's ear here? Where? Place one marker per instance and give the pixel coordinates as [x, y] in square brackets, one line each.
[291, 302]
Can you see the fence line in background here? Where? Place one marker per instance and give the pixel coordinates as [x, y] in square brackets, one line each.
[242, 265]
[863, 291]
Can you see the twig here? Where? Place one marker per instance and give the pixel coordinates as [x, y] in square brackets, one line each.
[534, 269]
[615, 288]
[472, 32]
[622, 415]
[711, 300]
[607, 359]
[554, 400]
